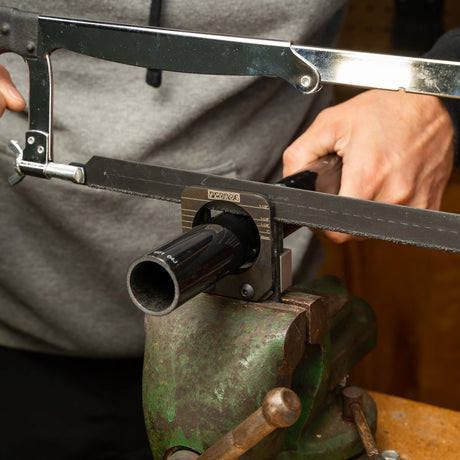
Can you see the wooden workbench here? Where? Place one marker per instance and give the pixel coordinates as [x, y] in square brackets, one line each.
[417, 431]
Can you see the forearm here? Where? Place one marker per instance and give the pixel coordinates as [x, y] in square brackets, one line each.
[448, 48]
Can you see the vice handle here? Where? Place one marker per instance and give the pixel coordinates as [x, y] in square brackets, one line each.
[280, 408]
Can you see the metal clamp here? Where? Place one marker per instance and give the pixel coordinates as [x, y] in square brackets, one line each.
[48, 169]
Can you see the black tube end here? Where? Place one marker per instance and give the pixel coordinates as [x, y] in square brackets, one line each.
[152, 287]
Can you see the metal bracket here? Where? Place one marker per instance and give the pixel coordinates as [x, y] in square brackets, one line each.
[252, 283]
[36, 159]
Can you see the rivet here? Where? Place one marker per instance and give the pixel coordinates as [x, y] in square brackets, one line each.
[30, 47]
[305, 81]
[5, 29]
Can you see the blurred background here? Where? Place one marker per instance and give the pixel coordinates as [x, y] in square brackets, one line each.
[415, 292]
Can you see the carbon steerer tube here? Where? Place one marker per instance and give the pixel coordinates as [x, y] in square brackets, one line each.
[167, 277]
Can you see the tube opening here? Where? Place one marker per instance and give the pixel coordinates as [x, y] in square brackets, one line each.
[152, 287]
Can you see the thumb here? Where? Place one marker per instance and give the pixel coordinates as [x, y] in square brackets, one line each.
[10, 97]
[318, 140]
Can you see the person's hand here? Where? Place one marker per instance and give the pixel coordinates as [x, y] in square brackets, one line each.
[396, 148]
[10, 97]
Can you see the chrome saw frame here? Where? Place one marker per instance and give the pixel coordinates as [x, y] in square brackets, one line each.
[35, 37]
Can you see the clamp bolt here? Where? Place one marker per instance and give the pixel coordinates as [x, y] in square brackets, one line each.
[40, 149]
[31, 140]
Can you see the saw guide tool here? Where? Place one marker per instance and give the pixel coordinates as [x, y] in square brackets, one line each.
[260, 270]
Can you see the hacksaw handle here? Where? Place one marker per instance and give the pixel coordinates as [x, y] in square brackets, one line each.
[323, 175]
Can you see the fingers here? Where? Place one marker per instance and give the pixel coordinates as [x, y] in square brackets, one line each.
[10, 97]
[317, 141]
